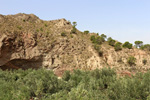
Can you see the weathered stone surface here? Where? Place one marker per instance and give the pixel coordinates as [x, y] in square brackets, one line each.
[28, 42]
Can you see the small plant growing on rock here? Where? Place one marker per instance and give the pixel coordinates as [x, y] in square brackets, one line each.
[98, 49]
[118, 46]
[97, 40]
[63, 34]
[127, 45]
[74, 28]
[138, 44]
[45, 25]
[131, 60]
[111, 41]
[41, 29]
[103, 36]
[144, 61]
[86, 32]
[19, 27]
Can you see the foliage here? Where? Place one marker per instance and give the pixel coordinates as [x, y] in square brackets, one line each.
[111, 41]
[131, 60]
[101, 84]
[145, 47]
[74, 24]
[138, 44]
[144, 61]
[97, 39]
[98, 49]
[19, 27]
[74, 28]
[63, 34]
[103, 36]
[45, 25]
[127, 45]
[86, 32]
[118, 46]
[41, 29]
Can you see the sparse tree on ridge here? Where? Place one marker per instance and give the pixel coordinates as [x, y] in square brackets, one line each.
[138, 44]
[103, 36]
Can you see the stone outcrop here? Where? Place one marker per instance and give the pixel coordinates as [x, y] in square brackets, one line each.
[29, 42]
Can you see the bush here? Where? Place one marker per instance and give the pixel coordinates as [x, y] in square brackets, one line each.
[97, 39]
[93, 38]
[73, 31]
[138, 44]
[145, 47]
[97, 84]
[98, 49]
[144, 61]
[127, 45]
[118, 46]
[86, 32]
[41, 29]
[131, 60]
[103, 36]
[19, 27]
[111, 41]
[45, 25]
[63, 34]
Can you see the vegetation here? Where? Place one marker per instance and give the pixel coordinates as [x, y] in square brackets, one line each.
[131, 60]
[19, 27]
[98, 49]
[145, 47]
[63, 34]
[127, 45]
[144, 61]
[74, 28]
[138, 44]
[86, 32]
[103, 36]
[97, 39]
[118, 46]
[111, 41]
[80, 85]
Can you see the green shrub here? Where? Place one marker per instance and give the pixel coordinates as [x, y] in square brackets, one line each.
[19, 27]
[93, 38]
[97, 39]
[111, 41]
[96, 84]
[41, 29]
[45, 25]
[86, 32]
[37, 30]
[73, 31]
[118, 46]
[103, 36]
[138, 44]
[144, 61]
[63, 34]
[145, 47]
[127, 45]
[98, 49]
[71, 36]
[131, 60]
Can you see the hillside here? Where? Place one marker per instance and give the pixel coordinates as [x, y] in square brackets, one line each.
[29, 42]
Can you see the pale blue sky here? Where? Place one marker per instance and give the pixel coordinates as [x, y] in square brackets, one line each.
[123, 20]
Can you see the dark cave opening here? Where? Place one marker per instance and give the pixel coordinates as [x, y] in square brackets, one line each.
[22, 64]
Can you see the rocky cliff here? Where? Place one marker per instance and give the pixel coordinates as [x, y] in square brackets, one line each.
[29, 42]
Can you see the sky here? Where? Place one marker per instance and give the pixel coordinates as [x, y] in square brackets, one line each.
[123, 20]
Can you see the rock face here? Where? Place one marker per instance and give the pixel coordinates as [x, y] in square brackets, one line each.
[29, 42]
